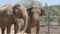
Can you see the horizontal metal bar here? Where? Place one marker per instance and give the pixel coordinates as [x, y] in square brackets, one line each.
[50, 16]
[49, 25]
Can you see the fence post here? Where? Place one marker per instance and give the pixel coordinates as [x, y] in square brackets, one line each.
[48, 18]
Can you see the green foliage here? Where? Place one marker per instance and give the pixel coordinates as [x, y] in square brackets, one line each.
[53, 10]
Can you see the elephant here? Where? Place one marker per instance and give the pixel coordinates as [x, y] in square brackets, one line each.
[20, 12]
[34, 14]
[6, 18]
[9, 16]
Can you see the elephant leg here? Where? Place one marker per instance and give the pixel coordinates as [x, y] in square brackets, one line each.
[3, 29]
[37, 28]
[16, 28]
[28, 31]
[8, 29]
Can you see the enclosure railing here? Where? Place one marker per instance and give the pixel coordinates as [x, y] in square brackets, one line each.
[54, 18]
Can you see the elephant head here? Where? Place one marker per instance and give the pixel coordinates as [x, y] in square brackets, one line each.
[36, 9]
[39, 9]
[21, 11]
[7, 10]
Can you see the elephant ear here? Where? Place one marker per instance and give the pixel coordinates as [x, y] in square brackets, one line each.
[29, 10]
[42, 12]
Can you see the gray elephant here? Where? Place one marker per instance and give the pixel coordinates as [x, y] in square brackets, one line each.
[34, 14]
[6, 18]
[20, 12]
[9, 16]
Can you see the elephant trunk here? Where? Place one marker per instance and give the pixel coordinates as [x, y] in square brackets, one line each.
[25, 17]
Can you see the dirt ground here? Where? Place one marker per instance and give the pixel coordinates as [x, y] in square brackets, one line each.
[12, 31]
[43, 30]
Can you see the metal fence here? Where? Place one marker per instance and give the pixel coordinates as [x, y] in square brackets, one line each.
[50, 25]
